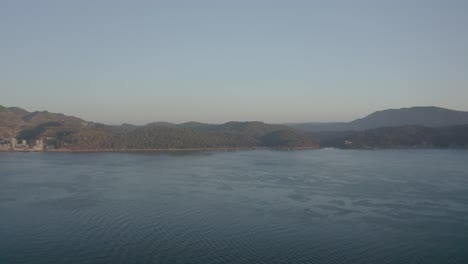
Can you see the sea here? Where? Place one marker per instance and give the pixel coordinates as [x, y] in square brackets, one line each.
[255, 206]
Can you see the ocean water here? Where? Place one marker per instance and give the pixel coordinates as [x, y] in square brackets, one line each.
[313, 206]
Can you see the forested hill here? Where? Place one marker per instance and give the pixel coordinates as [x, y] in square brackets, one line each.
[68, 132]
[211, 136]
[74, 133]
[428, 116]
[398, 137]
[421, 116]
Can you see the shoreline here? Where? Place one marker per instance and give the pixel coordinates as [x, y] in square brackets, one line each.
[162, 150]
[215, 149]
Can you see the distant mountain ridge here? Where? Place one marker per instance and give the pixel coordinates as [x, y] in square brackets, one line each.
[429, 116]
[68, 132]
[408, 136]
[14, 120]
[394, 128]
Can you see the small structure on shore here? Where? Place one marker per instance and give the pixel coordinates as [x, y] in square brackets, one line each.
[39, 145]
[4, 145]
[12, 144]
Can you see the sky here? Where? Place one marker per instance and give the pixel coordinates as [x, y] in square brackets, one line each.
[114, 61]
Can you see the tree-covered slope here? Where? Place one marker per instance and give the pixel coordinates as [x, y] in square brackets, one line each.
[74, 133]
[428, 116]
[399, 137]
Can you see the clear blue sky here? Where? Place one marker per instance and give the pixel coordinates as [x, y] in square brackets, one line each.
[214, 61]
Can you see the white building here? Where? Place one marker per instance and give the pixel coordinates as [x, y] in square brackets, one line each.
[13, 143]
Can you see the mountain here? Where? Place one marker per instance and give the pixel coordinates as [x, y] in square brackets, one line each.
[428, 116]
[16, 110]
[423, 116]
[10, 123]
[123, 128]
[70, 132]
[408, 136]
[321, 126]
[407, 127]
[229, 135]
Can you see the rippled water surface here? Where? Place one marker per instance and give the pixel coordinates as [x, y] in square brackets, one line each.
[318, 206]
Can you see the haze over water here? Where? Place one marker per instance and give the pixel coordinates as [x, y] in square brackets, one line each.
[319, 206]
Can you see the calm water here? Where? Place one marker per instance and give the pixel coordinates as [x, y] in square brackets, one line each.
[318, 206]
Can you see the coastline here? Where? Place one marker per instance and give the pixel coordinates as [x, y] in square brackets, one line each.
[164, 150]
[217, 149]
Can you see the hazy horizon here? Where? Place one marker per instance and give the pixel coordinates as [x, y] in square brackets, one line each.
[137, 62]
[224, 121]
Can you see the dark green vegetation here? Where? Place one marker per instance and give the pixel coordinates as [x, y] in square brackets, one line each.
[415, 127]
[420, 127]
[74, 133]
[409, 136]
[422, 116]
